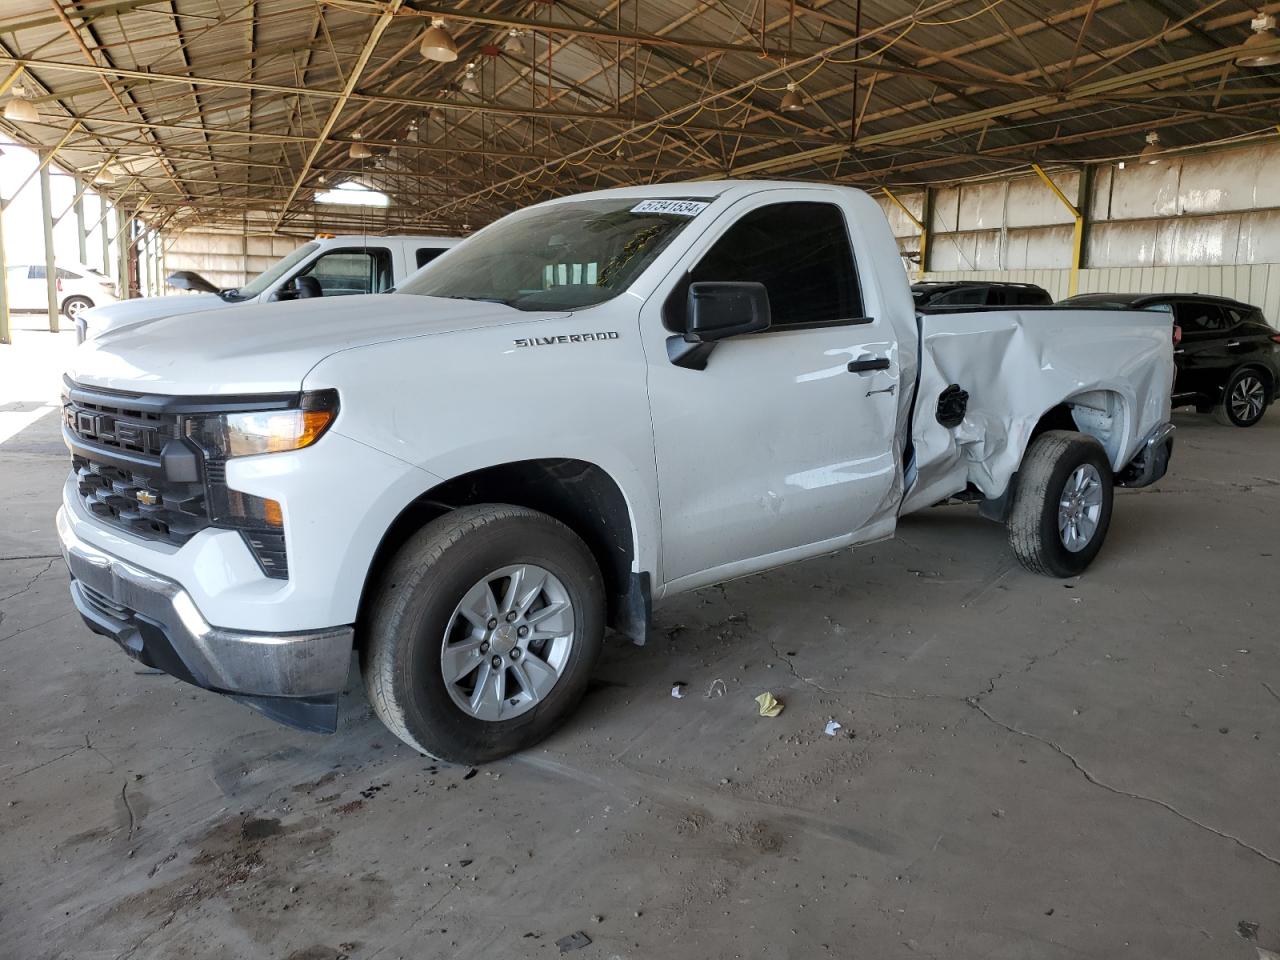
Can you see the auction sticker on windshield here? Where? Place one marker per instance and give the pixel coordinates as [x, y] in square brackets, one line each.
[681, 208]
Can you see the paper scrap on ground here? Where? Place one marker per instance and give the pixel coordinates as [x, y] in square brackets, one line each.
[832, 727]
[677, 690]
[770, 706]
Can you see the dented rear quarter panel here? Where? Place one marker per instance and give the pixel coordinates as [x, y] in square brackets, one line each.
[1114, 368]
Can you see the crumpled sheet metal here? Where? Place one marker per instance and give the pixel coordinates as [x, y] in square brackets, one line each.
[1016, 366]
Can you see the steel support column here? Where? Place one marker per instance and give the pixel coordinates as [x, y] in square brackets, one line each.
[5, 335]
[82, 239]
[50, 268]
[1077, 237]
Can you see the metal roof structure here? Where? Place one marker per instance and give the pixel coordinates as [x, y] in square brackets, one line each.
[239, 111]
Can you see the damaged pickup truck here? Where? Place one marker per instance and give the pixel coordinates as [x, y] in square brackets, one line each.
[593, 404]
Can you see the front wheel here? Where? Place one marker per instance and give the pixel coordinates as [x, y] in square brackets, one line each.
[1244, 399]
[72, 307]
[1062, 504]
[484, 632]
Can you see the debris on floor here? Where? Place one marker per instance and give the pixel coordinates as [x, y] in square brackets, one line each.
[574, 941]
[677, 689]
[770, 706]
[717, 689]
[1247, 930]
[832, 728]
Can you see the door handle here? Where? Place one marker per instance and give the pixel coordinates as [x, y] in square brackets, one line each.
[1233, 343]
[865, 366]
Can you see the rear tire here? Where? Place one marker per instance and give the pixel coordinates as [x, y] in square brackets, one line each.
[72, 307]
[451, 598]
[1062, 504]
[1244, 399]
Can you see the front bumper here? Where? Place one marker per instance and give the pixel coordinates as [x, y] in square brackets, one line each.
[292, 677]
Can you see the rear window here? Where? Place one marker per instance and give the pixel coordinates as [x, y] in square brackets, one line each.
[425, 255]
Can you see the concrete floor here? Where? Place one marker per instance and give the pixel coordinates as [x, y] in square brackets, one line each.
[1028, 768]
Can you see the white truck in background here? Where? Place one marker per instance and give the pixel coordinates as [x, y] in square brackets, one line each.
[324, 267]
[595, 403]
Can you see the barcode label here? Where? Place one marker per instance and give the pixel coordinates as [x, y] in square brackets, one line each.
[681, 208]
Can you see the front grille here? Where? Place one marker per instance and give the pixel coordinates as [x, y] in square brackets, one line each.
[126, 450]
[128, 429]
[146, 506]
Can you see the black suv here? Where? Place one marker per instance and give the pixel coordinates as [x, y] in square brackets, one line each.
[977, 293]
[1227, 356]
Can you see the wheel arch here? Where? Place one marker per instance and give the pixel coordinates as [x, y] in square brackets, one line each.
[1101, 412]
[582, 495]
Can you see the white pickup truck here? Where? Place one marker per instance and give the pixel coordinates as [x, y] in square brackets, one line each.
[593, 404]
[324, 267]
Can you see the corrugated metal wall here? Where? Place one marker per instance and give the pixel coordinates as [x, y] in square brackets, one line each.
[224, 258]
[1208, 223]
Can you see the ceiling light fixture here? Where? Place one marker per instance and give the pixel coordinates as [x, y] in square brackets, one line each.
[1151, 153]
[19, 109]
[105, 177]
[792, 100]
[470, 85]
[436, 44]
[359, 151]
[1260, 50]
[515, 44]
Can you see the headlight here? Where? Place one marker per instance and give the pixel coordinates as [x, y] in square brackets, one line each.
[252, 432]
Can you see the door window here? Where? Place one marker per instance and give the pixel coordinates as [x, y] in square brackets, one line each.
[799, 251]
[426, 254]
[1196, 317]
[36, 272]
[66, 274]
[343, 273]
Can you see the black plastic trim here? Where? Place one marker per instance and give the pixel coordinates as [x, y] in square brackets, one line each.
[160, 403]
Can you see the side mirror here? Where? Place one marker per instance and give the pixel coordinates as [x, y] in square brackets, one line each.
[716, 311]
[190, 280]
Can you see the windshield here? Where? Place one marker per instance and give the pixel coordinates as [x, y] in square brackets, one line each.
[274, 272]
[561, 257]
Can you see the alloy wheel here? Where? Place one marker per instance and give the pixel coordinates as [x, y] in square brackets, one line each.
[508, 642]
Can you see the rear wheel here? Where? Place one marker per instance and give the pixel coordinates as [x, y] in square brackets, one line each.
[1062, 505]
[1244, 399]
[485, 629]
[72, 307]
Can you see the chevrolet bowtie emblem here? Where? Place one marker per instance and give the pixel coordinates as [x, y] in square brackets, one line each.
[147, 498]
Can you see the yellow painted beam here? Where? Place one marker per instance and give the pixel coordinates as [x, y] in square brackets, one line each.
[924, 231]
[1077, 236]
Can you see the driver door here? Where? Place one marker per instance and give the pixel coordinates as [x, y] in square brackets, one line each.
[782, 446]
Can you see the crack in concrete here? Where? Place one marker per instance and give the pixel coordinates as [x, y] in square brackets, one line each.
[31, 582]
[18, 633]
[32, 556]
[1270, 689]
[976, 704]
[778, 654]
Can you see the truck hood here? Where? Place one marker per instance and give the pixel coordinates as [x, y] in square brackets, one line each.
[268, 348]
[115, 316]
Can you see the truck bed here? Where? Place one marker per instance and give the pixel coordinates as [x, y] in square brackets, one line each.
[1113, 367]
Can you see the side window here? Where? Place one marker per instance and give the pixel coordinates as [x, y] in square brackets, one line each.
[426, 254]
[799, 251]
[1199, 317]
[1159, 307]
[1030, 297]
[964, 297]
[36, 272]
[66, 274]
[343, 273]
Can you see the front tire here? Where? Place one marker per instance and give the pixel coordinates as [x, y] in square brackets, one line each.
[1062, 505]
[72, 307]
[1244, 399]
[484, 632]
